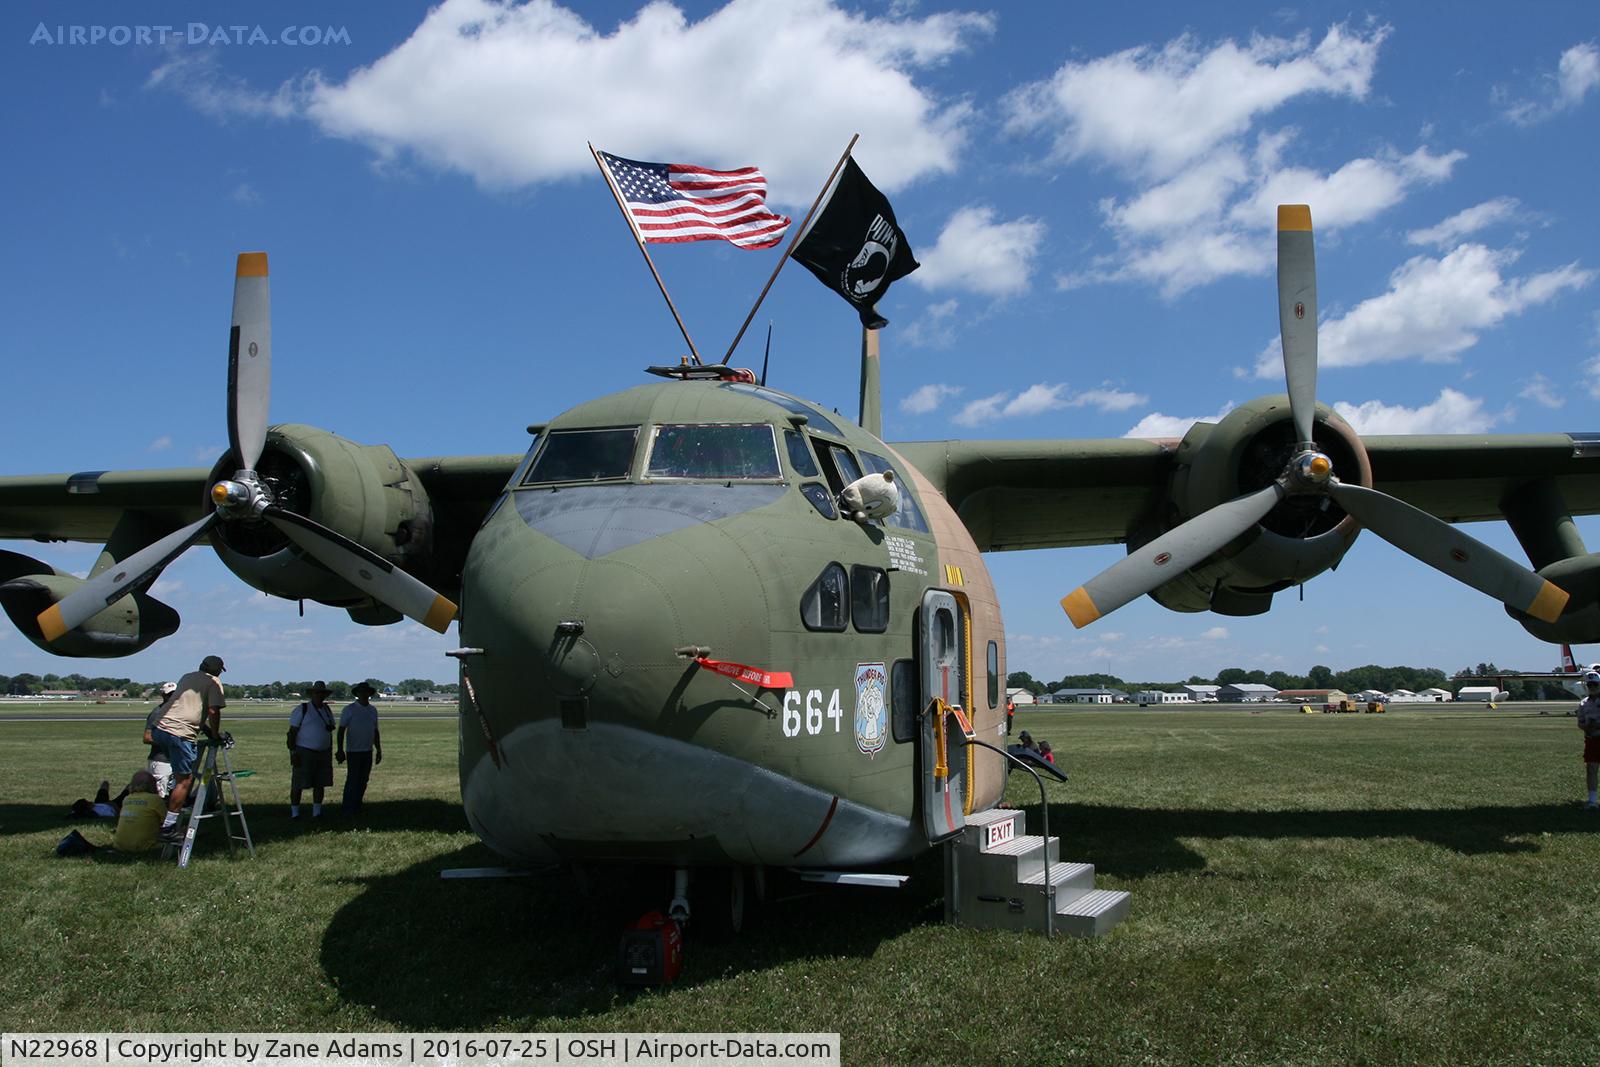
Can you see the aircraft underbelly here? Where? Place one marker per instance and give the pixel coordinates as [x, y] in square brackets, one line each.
[615, 793]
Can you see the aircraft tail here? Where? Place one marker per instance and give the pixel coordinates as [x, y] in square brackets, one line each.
[1568, 665]
[871, 403]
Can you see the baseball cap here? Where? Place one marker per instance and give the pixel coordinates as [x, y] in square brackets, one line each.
[1591, 678]
[212, 665]
[168, 688]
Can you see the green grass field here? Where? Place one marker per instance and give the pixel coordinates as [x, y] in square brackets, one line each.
[1416, 887]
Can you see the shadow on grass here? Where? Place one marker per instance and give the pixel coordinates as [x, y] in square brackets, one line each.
[430, 954]
[426, 815]
[17, 819]
[1137, 842]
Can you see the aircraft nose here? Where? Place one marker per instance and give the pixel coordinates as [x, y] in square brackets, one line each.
[558, 625]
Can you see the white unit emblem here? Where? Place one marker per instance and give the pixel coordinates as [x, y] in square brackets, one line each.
[872, 709]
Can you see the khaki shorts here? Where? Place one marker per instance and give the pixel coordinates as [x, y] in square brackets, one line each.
[313, 769]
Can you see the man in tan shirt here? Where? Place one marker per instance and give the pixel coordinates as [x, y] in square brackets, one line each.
[194, 708]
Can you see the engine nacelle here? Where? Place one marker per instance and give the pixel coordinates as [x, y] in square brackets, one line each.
[1299, 538]
[361, 491]
[130, 624]
[1579, 623]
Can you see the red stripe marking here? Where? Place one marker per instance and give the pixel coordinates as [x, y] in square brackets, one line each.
[826, 819]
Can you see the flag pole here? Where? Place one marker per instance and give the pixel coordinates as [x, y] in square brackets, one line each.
[639, 240]
[792, 242]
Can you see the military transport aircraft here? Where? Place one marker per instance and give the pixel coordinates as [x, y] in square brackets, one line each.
[677, 648]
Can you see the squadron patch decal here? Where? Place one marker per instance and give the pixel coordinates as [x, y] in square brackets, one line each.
[872, 708]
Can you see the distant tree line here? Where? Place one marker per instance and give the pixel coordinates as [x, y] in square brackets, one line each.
[1353, 680]
[33, 684]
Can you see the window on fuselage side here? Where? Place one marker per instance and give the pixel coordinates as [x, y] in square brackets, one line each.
[869, 599]
[907, 516]
[994, 674]
[825, 605]
[903, 700]
[584, 456]
[720, 452]
[839, 467]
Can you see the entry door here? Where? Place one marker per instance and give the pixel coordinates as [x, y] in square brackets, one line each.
[941, 648]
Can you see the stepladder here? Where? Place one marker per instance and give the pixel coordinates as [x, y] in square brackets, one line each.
[215, 793]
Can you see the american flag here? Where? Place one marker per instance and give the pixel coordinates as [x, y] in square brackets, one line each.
[678, 202]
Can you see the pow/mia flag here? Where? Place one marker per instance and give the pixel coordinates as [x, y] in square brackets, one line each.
[855, 247]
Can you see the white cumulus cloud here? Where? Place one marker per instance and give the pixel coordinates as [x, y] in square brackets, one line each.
[927, 398]
[980, 255]
[1154, 110]
[1577, 74]
[1452, 412]
[1465, 223]
[1156, 424]
[1434, 310]
[509, 93]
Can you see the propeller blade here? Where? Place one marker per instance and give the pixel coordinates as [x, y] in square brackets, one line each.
[1445, 548]
[1297, 312]
[112, 584]
[367, 571]
[249, 360]
[1167, 556]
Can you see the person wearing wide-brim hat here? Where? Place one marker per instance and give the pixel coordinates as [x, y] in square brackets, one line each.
[310, 749]
[359, 743]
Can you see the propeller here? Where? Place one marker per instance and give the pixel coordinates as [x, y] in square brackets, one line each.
[1309, 472]
[245, 496]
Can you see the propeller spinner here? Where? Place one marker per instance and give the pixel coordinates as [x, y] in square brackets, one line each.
[246, 496]
[1309, 472]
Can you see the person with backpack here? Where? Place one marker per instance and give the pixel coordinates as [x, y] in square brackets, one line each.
[311, 749]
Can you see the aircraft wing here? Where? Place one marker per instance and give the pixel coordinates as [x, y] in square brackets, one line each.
[1047, 494]
[1051, 494]
[87, 506]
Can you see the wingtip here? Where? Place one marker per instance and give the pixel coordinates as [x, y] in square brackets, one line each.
[51, 624]
[1079, 608]
[1549, 604]
[1294, 216]
[440, 615]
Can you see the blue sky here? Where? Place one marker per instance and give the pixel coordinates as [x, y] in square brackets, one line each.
[1090, 192]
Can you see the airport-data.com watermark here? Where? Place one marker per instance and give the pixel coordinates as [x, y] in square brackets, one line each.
[192, 33]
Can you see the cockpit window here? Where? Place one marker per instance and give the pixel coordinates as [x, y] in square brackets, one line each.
[789, 404]
[584, 456]
[907, 516]
[516, 480]
[714, 453]
[799, 455]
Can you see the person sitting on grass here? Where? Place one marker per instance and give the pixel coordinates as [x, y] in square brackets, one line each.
[140, 819]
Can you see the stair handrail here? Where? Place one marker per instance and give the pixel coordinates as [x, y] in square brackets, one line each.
[1044, 805]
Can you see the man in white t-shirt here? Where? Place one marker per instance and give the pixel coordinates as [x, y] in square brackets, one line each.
[359, 743]
[311, 749]
[157, 763]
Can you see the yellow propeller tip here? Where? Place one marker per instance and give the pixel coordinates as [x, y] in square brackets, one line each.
[1079, 608]
[51, 625]
[1294, 216]
[251, 265]
[1549, 604]
[439, 616]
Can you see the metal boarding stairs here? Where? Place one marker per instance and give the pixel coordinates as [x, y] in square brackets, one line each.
[209, 779]
[996, 877]
[999, 878]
